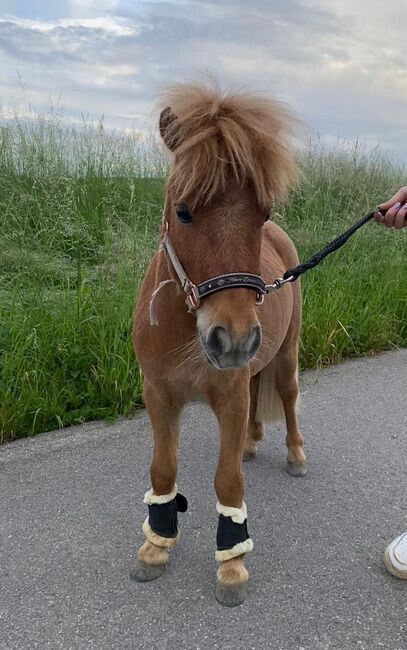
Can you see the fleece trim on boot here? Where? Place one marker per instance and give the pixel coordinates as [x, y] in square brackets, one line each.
[237, 549]
[150, 497]
[238, 515]
[151, 536]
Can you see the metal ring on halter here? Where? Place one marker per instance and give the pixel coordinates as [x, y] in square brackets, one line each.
[259, 298]
[193, 298]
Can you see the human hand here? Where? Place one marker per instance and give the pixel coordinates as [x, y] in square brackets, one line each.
[393, 213]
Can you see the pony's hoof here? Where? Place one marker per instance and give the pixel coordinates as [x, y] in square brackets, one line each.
[297, 469]
[248, 455]
[143, 572]
[231, 595]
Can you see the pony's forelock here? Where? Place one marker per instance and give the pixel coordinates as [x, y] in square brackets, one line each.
[219, 135]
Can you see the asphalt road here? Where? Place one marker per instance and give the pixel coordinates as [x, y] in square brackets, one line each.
[71, 510]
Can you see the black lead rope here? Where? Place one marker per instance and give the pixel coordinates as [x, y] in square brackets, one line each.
[293, 274]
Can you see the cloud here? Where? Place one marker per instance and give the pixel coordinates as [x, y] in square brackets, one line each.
[344, 71]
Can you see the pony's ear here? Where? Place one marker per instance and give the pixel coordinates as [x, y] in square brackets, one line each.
[169, 128]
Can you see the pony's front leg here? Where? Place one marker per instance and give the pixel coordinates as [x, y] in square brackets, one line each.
[233, 541]
[163, 501]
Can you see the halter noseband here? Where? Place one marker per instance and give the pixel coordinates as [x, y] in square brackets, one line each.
[196, 292]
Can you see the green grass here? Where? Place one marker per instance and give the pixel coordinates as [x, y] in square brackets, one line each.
[79, 216]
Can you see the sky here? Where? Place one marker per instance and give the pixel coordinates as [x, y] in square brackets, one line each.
[340, 64]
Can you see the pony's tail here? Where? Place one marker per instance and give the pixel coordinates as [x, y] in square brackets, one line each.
[269, 404]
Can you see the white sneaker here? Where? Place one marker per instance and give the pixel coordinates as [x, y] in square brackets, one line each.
[395, 557]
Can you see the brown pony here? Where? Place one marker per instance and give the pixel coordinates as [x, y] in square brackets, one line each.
[231, 162]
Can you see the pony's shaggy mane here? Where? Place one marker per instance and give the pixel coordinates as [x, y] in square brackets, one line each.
[216, 136]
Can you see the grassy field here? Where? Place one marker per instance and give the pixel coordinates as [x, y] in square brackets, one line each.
[79, 215]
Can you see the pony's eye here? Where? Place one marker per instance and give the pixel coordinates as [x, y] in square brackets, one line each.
[183, 214]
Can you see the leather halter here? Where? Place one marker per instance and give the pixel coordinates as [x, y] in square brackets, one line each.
[196, 292]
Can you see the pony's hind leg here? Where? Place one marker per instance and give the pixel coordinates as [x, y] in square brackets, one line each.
[160, 528]
[286, 376]
[255, 429]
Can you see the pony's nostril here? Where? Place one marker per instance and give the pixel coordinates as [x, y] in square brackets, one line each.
[253, 340]
[218, 341]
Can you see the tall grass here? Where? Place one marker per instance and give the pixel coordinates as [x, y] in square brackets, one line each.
[79, 215]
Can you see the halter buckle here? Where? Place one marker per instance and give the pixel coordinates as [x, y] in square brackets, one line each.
[193, 300]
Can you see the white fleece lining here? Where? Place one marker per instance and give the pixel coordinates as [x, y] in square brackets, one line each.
[238, 515]
[237, 549]
[150, 498]
[154, 538]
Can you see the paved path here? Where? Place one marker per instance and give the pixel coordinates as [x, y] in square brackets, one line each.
[71, 509]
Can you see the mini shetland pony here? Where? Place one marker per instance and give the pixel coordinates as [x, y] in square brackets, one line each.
[231, 162]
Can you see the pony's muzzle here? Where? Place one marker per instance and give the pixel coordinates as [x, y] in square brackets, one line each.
[226, 350]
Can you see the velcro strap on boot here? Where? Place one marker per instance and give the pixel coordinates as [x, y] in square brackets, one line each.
[163, 517]
[232, 538]
[229, 533]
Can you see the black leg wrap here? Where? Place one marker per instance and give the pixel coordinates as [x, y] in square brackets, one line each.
[229, 533]
[163, 517]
